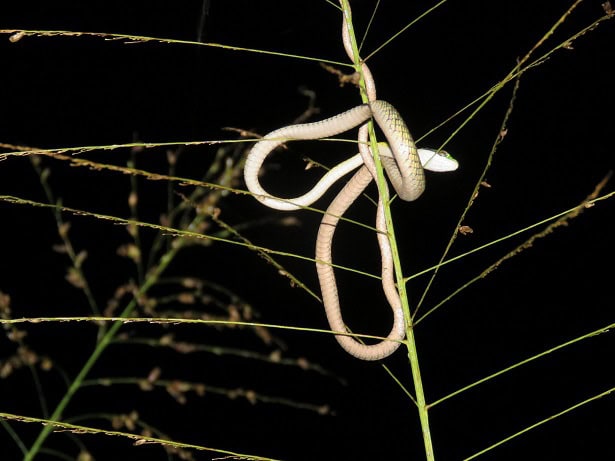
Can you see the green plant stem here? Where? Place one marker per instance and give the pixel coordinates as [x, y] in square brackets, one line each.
[401, 287]
[151, 279]
[100, 348]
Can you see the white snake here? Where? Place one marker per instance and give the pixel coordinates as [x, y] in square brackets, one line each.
[408, 181]
[403, 163]
[401, 159]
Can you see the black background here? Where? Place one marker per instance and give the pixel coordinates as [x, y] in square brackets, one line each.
[69, 91]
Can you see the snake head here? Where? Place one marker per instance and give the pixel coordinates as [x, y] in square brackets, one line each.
[438, 161]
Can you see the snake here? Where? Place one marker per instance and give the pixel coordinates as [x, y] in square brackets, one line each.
[403, 163]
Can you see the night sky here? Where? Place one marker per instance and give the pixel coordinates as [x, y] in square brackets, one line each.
[62, 92]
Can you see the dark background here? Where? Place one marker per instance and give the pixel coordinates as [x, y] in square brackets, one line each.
[68, 91]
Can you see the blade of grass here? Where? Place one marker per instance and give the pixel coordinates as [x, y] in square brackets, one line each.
[561, 221]
[18, 34]
[541, 422]
[51, 425]
[503, 371]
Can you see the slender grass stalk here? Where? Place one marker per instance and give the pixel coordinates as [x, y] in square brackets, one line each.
[151, 279]
[173, 232]
[20, 33]
[542, 354]
[541, 422]
[515, 73]
[401, 287]
[137, 438]
[99, 349]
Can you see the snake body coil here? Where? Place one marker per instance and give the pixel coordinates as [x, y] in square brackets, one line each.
[403, 163]
[405, 173]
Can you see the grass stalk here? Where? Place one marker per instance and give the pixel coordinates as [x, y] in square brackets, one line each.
[399, 276]
[151, 279]
[100, 348]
